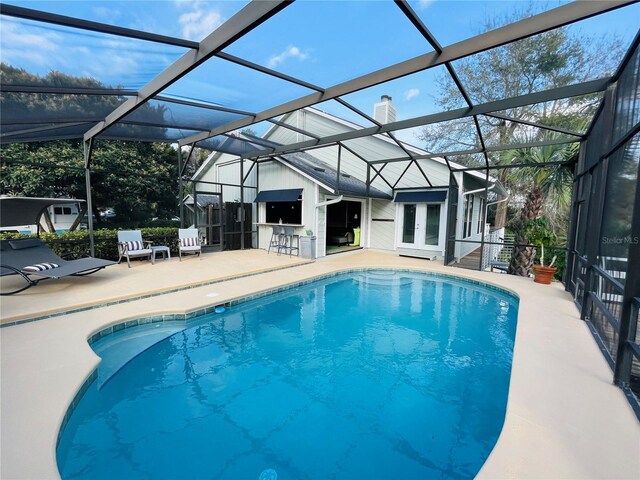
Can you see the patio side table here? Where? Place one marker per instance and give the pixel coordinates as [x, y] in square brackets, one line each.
[166, 253]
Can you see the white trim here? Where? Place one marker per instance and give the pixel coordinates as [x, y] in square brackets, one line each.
[369, 222]
[315, 214]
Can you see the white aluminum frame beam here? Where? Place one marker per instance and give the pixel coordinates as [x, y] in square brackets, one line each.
[489, 107]
[549, 20]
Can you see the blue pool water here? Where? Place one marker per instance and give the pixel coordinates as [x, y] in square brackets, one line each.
[377, 375]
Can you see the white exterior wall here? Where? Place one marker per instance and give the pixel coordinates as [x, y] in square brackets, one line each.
[275, 176]
[375, 233]
[383, 224]
[321, 225]
[369, 148]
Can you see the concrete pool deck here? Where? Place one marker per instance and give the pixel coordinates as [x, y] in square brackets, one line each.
[564, 417]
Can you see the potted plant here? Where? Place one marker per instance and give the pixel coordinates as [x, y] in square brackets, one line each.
[542, 274]
[538, 233]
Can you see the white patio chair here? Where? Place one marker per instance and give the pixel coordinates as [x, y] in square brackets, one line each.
[189, 242]
[130, 245]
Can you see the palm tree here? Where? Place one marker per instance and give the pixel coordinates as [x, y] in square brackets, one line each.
[549, 185]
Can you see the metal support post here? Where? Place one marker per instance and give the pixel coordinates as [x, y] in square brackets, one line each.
[484, 223]
[241, 203]
[180, 188]
[88, 149]
[338, 169]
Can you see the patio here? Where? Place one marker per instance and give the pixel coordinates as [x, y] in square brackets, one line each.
[554, 427]
[119, 283]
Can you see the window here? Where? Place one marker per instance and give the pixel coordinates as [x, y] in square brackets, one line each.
[281, 206]
[432, 233]
[409, 225]
[468, 215]
[481, 215]
[66, 210]
[285, 212]
[57, 210]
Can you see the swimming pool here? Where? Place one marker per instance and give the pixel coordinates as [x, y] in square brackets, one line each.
[363, 375]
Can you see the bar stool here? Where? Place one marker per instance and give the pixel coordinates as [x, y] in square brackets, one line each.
[288, 236]
[277, 233]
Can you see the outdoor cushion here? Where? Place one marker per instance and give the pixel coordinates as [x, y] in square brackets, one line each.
[135, 245]
[40, 267]
[189, 242]
[25, 243]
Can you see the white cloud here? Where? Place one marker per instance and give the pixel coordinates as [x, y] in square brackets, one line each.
[33, 47]
[411, 93]
[424, 4]
[199, 21]
[289, 52]
[106, 13]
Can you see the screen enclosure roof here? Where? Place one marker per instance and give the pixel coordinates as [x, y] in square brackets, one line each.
[92, 76]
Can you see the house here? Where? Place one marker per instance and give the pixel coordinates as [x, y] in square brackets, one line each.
[404, 209]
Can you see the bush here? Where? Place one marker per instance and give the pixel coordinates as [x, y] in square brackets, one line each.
[76, 244]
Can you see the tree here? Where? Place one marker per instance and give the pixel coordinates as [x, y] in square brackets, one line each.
[550, 183]
[548, 60]
[137, 179]
[552, 59]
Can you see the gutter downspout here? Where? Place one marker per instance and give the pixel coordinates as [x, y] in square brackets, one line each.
[329, 202]
[486, 208]
[478, 190]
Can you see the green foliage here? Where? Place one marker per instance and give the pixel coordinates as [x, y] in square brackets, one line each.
[552, 59]
[136, 179]
[537, 232]
[76, 244]
[560, 264]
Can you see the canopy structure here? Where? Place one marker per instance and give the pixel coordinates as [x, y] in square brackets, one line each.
[159, 110]
[16, 211]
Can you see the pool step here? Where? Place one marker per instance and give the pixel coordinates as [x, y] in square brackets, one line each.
[382, 279]
[118, 349]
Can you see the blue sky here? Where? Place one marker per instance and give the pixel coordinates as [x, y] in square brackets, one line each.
[323, 42]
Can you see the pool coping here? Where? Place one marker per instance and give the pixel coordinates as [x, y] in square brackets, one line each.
[551, 428]
[134, 297]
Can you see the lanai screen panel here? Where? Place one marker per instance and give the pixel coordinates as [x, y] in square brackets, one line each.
[445, 21]
[327, 43]
[230, 85]
[173, 114]
[100, 59]
[412, 96]
[140, 15]
[26, 108]
[39, 132]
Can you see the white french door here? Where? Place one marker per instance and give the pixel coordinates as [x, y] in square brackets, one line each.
[420, 226]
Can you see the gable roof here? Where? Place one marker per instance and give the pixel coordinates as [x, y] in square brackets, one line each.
[326, 176]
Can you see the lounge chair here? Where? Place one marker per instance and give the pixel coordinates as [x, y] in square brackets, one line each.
[130, 245]
[189, 242]
[29, 257]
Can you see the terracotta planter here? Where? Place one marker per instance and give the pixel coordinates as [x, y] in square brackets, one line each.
[543, 275]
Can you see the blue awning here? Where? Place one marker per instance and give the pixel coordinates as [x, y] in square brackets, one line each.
[421, 197]
[278, 195]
